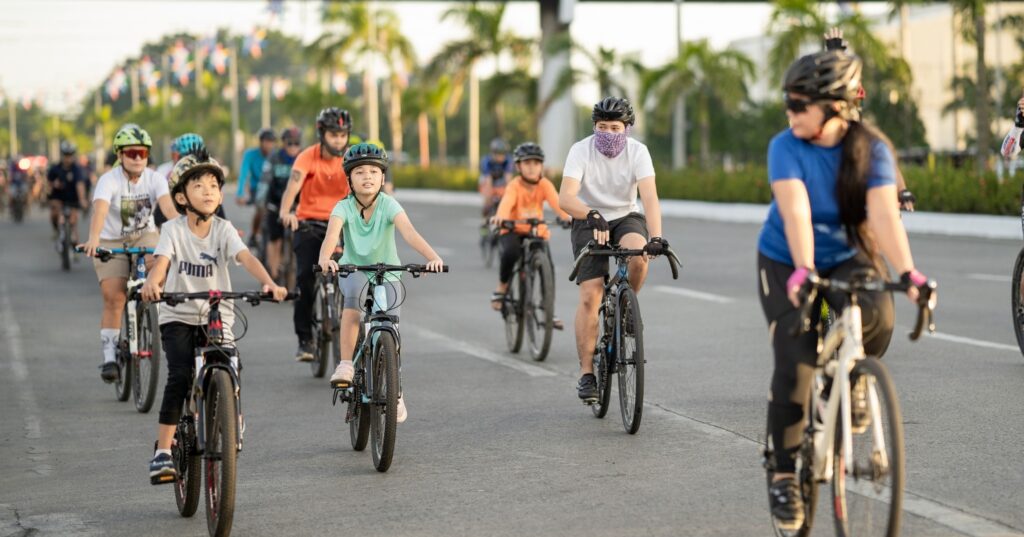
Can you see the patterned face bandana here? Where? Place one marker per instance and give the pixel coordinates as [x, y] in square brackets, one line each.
[610, 144]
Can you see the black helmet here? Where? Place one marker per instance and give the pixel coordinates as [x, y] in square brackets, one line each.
[613, 109]
[499, 146]
[266, 134]
[364, 153]
[67, 148]
[291, 134]
[528, 151]
[831, 75]
[333, 119]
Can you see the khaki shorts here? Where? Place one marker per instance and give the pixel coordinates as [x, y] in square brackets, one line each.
[117, 266]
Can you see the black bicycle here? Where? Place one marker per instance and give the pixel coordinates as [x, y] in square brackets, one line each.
[65, 246]
[372, 398]
[620, 339]
[138, 344]
[489, 234]
[211, 426]
[1017, 289]
[326, 324]
[529, 305]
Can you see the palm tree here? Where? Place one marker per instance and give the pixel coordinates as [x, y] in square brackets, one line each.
[399, 56]
[965, 97]
[601, 68]
[707, 75]
[974, 10]
[486, 40]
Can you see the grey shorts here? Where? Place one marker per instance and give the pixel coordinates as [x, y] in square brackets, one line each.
[354, 288]
[597, 267]
[117, 266]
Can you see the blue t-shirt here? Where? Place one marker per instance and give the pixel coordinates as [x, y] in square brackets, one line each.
[496, 170]
[252, 169]
[818, 167]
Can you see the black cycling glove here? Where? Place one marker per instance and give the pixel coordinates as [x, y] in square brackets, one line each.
[655, 246]
[1018, 119]
[596, 221]
[835, 43]
[906, 196]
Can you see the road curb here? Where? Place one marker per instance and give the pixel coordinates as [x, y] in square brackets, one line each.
[920, 223]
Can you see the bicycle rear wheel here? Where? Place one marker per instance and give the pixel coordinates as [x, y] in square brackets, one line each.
[146, 366]
[540, 307]
[122, 355]
[221, 453]
[513, 311]
[321, 332]
[65, 243]
[358, 411]
[867, 495]
[384, 402]
[186, 462]
[1017, 299]
[629, 360]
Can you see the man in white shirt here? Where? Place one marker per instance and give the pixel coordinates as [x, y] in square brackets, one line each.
[603, 174]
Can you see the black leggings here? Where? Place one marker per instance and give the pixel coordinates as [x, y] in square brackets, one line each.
[307, 241]
[511, 248]
[795, 356]
[179, 344]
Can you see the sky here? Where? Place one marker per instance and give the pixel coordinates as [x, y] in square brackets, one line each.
[55, 50]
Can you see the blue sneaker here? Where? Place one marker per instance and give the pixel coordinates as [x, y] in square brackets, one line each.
[161, 469]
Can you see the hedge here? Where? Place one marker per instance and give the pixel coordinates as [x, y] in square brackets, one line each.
[945, 189]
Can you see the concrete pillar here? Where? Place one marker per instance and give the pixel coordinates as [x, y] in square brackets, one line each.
[557, 127]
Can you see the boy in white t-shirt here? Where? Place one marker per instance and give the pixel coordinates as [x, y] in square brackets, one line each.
[123, 205]
[603, 174]
[198, 248]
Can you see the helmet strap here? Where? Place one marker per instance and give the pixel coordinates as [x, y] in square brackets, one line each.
[201, 217]
[363, 207]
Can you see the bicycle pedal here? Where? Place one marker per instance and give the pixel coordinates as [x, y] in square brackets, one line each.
[590, 402]
[162, 479]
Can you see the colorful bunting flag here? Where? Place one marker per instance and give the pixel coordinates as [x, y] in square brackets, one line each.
[280, 87]
[339, 81]
[219, 59]
[252, 89]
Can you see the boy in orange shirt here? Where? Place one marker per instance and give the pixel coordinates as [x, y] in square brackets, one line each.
[524, 198]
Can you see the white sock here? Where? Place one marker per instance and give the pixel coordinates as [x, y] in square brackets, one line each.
[108, 340]
[163, 452]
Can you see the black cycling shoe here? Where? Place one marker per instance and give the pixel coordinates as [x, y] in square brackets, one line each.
[109, 372]
[786, 503]
[161, 469]
[587, 388]
[305, 352]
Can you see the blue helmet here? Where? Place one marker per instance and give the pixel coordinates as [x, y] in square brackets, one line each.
[189, 144]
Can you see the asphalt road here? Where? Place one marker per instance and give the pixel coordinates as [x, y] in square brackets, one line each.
[495, 444]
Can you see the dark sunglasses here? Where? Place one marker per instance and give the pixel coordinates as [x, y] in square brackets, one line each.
[293, 144]
[135, 153]
[797, 106]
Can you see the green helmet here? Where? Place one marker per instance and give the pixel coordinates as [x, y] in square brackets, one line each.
[131, 134]
[365, 153]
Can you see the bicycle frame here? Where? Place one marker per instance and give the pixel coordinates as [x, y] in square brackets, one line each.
[137, 261]
[375, 321]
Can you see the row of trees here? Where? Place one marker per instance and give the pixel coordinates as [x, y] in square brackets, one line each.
[439, 101]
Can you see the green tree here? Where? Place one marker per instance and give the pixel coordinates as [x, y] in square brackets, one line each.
[972, 18]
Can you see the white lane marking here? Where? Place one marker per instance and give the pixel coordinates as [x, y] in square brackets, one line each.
[971, 341]
[19, 371]
[1000, 278]
[950, 517]
[484, 354]
[690, 293]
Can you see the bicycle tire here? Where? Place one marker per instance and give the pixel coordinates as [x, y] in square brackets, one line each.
[287, 270]
[540, 307]
[1017, 299]
[514, 302]
[602, 371]
[359, 422]
[384, 403]
[186, 462]
[808, 487]
[850, 519]
[146, 366]
[65, 244]
[221, 454]
[321, 332]
[122, 355]
[629, 360]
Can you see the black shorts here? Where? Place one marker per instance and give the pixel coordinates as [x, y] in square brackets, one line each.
[597, 267]
[273, 226]
[64, 198]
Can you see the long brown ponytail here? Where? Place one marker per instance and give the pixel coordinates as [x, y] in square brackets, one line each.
[852, 185]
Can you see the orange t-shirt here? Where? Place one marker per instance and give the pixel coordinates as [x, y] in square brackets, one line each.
[325, 184]
[522, 201]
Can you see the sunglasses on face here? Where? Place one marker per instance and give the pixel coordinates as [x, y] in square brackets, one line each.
[293, 144]
[797, 106]
[135, 153]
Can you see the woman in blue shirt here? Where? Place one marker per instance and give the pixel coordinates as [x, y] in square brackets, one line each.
[834, 211]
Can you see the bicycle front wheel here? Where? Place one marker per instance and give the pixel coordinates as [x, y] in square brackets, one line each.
[629, 353]
[514, 304]
[867, 493]
[321, 333]
[384, 402]
[122, 354]
[287, 270]
[1017, 299]
[146, 365]
[186, 462]
[602, 370]
[540, 307]
[221, 453]
[358, 411]
[65, 244]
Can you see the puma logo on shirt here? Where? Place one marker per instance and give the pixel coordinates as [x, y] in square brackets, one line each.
[207, 257]
[196, 271]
